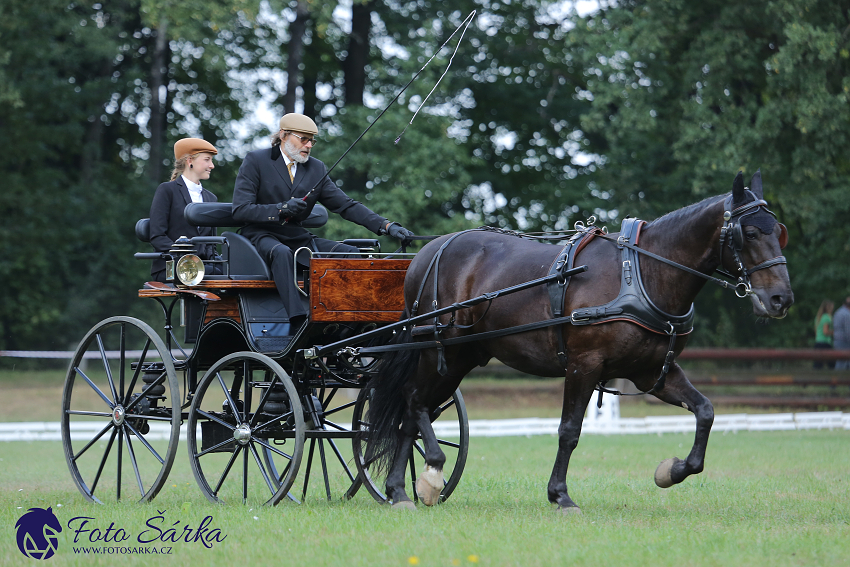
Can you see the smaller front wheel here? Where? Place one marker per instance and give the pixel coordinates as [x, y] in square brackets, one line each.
[246, 431]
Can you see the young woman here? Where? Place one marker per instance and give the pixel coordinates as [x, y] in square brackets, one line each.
[193, 164]
[823, 329]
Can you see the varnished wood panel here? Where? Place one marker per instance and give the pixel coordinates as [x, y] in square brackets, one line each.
[357, 289]
[227, 307]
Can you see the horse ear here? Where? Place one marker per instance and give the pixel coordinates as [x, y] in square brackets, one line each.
[755, 185]
[738, 188]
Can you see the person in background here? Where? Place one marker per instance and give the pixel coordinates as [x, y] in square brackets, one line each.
[841, 333]
[823, 329]
[193, 164]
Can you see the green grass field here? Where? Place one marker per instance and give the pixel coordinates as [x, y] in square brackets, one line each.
[772, 498]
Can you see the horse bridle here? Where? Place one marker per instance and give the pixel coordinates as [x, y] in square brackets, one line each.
[732, 234]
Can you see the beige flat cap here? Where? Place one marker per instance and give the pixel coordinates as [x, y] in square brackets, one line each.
[189, 146]
[298, 123]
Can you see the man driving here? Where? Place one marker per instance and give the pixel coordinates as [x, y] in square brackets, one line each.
[273, 193]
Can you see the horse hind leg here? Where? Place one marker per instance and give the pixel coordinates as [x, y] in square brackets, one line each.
[395, 477]
[430, 484]
[678, 391]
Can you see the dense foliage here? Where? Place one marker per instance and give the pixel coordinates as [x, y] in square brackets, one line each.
[544, 118]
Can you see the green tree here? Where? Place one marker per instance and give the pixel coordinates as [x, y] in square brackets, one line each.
[685, 94]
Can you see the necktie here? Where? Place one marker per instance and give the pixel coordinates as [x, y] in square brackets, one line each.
[289, 168]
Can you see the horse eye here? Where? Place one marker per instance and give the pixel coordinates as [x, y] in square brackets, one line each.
[751, 235]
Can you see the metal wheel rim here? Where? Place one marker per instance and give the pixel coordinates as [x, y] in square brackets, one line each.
[281, 486]
[71, 375]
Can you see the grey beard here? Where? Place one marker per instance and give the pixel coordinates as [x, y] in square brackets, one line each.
[294, 153]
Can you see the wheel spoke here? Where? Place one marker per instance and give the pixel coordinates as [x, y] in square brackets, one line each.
[91, 413]
[122, 350]
[95, 388]
[324, 469]
[262, 402]
[340, 408]
[335, 425]
[145, 443]
[309, 466]
[213, 448]
[93, 441]
[120, 445]
[107, 367]
[272, 448]
[448, 443]
[138, 370]
[103, 460]
[132, 455]
[282, 417]
[244, 477]
[227, 468]
[146, 417]
[262, 469]
[216, 419]
[419, 449]
[341, 460]
[229, 399]
[160, 379]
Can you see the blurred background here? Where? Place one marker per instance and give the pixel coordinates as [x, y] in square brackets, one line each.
[550, 113]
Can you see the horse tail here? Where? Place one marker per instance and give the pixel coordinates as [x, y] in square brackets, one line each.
[386, 402]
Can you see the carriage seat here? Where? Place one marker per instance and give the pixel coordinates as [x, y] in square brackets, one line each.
[244, 261]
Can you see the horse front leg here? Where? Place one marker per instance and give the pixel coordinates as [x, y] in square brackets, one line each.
[678, 391]
[577, 393]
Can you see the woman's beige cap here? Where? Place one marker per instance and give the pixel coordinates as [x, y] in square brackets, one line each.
[189, 146]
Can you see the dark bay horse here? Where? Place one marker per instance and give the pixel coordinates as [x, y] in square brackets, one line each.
[409, 386]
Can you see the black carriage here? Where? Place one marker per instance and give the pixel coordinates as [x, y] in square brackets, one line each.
[257, 416]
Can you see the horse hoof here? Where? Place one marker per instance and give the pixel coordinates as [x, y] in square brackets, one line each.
[569, 510]
[404, 505]
[430, 485]
[664, 473]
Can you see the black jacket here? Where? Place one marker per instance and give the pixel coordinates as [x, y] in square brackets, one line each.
[167, 223]
[263, 182]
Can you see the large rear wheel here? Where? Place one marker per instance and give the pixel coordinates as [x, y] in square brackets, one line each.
[120, 412]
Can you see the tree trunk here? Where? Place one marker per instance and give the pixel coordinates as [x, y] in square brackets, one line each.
[354, 67]
[156, 124]
[295, 55]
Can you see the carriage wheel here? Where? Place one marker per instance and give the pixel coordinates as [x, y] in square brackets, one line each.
[120, 411]
[244, 407]
[454, 443]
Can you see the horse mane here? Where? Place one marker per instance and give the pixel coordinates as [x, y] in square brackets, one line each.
[683, 217]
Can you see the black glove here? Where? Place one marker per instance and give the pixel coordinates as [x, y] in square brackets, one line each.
[292, 208]
[397, 231]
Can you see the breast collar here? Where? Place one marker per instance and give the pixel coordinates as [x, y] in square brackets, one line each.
[633, 304]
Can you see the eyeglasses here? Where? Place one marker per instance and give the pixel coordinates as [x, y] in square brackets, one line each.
[304, 139]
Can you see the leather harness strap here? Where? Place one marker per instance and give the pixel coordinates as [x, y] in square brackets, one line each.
[558, 289]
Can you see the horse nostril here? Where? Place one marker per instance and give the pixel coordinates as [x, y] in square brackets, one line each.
[777, 301]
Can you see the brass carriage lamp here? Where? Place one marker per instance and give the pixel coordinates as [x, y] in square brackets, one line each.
[184, 265]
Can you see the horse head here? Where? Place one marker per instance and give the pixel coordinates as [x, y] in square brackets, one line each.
[754, 240]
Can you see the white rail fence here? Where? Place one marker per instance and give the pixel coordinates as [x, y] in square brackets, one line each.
[730, 423]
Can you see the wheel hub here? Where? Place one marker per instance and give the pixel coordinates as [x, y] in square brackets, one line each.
[242, 434]
[118, 415]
